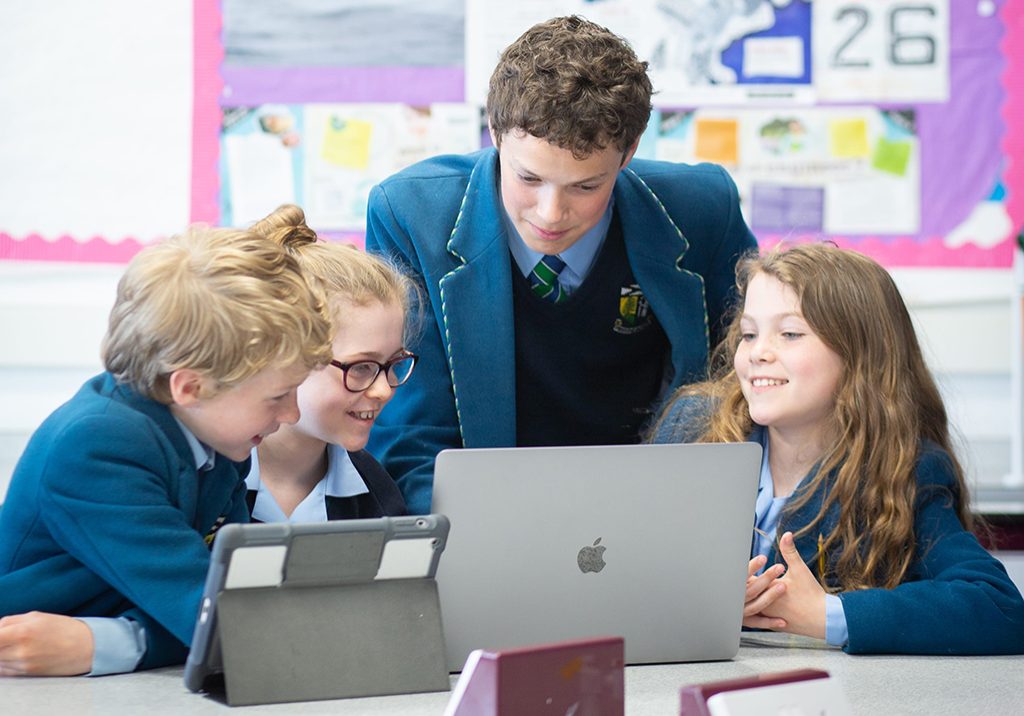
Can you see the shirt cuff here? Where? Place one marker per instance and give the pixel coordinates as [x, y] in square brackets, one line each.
[118, 644]
[836, 633]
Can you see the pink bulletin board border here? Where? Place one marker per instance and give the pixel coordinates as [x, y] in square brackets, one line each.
[913, 253]
[65, 248]
[208, 85]
[1013, 109]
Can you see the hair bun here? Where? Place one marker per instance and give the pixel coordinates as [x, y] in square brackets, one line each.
[292, 237]
[287, 226]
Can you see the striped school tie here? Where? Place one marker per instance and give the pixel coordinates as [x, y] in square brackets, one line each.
[544, 279]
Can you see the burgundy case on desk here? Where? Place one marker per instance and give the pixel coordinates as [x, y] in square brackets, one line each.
[693, 699]
[544, 679]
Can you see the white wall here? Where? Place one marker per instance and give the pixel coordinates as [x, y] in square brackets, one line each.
[52, 318]
[968, 321]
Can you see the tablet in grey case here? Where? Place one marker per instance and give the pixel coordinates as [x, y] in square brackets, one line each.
[296, 612]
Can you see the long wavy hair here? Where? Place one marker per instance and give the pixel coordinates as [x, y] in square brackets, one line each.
[885, 405]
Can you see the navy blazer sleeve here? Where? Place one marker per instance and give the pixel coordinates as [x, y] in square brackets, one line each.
[957, 599]
[420, 421]
[108, 506]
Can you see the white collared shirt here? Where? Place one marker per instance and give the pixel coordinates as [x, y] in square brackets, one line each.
[342, 480]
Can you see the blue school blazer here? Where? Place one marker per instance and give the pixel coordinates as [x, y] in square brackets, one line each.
[443, 218]
[956, 597]
[106, 516]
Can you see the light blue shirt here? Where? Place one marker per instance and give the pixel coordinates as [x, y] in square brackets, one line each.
[342, 480]
[766, 517]
[119, 643]
[579, 258]
[204, 455]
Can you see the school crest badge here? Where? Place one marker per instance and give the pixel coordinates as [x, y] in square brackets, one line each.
[634, 311]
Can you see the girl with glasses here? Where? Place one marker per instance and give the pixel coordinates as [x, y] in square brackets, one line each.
[317, 469]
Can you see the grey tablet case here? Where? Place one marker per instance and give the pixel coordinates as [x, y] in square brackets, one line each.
[297, 612]
[647, 542]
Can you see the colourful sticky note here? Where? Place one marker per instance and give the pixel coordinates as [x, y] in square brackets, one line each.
[717, 141]
[891, 157]
[848, 138]
[347, 142]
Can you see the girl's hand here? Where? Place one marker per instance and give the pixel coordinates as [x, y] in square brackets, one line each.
[762, 591]
[802, 604]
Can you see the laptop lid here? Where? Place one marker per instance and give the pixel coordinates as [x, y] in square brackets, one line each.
[647, 542]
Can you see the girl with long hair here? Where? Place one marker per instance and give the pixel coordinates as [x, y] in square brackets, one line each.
[863, 522]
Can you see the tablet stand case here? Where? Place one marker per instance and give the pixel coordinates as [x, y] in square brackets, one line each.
[335, 636]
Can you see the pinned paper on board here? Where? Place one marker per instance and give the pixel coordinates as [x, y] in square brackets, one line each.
[774, 57]
[848, 138]
[262, 178]
[717, 140]
[891, 156]
[787, 208]
[812, 172]
[347, 142]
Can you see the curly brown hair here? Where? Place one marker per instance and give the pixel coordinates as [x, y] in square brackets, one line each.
[571, 82]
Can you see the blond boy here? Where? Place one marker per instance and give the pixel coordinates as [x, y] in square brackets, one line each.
[113, 505]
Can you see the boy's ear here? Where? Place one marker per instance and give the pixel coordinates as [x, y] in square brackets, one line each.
[629, 153]
[186, 386]
[494, 137]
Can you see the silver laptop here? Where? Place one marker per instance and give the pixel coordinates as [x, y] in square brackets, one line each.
[647, 542]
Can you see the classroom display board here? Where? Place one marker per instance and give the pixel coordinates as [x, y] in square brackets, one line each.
[892, 126]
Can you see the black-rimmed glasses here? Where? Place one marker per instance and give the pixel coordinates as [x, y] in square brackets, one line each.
[360, 375]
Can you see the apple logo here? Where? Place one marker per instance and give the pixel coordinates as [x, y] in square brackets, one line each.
[591, 559]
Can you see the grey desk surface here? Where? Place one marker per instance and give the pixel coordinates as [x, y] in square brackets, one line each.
[872, 684]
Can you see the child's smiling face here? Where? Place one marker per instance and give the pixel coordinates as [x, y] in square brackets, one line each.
[330, 412]
[788, 375]
[235, 420]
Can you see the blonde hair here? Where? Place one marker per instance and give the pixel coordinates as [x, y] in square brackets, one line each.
[886, 404]
[225, 302]
[346, 274]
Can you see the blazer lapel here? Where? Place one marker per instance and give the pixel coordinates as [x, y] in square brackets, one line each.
[478, 322]
[807, 544]
[656, 247]
[202, 497]
[158, 413]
